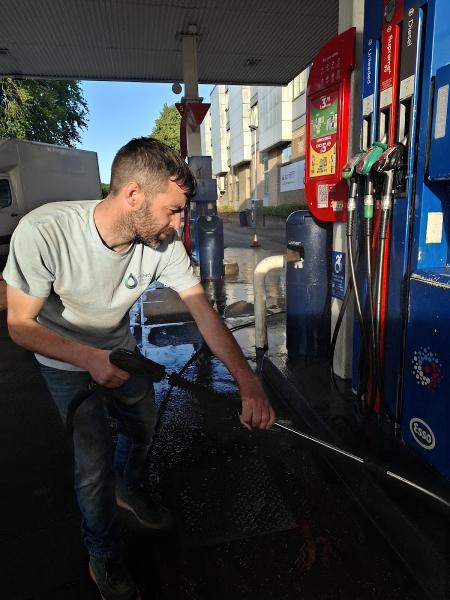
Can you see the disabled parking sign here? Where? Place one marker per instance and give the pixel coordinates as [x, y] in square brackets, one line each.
[338, 274]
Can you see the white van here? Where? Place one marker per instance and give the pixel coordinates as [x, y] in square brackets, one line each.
[32, 174]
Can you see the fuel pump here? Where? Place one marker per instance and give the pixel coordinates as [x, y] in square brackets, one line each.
[425, 414]
[389, 164]
[411, 61]
[386, 122]
[364, 169]
[370, 71]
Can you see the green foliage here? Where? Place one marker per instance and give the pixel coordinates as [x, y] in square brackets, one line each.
[53, 112]
[105, 189]
[167, 127]
[283, 210]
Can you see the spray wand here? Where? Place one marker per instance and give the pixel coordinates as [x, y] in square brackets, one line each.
[137, 364]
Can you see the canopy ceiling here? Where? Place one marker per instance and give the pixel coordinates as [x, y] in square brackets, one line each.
[239, 41]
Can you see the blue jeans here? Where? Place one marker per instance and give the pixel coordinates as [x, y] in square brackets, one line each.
[96, 465]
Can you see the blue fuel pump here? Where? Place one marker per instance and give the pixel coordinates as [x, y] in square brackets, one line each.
[402, 206]
[426, 386]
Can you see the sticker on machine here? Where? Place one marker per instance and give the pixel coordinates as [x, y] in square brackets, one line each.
[323, 194]
[427, 368]
[338, 274]
[422, 433]
[440, 123]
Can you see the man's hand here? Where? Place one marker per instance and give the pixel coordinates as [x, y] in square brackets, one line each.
[27, 332]
[256, 409]
[103, 371]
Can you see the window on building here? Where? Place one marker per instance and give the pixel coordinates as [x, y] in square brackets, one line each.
[5, 193]
[221, 183]
[299, 84]
[286, 154]
[254, 116]
[265, 162]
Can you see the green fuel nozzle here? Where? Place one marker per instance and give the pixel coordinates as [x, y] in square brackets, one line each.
[369, 157]
[364, 168]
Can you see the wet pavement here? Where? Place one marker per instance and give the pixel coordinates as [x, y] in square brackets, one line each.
[258, 515]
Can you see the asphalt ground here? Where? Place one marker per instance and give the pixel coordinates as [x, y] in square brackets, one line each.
[258, 515]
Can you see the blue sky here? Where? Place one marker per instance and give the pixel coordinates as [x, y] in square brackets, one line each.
[120, 111]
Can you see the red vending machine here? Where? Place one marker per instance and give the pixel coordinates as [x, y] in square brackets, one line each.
[327, 127]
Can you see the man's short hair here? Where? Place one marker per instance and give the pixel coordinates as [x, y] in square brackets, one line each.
[150, 163]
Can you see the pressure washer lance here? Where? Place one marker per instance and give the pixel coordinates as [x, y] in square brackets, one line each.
[137, 364]
[371, 466]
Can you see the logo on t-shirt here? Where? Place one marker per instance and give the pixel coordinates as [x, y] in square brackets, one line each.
[131, 282]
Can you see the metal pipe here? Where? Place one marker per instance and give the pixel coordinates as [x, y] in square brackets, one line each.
[259, 275]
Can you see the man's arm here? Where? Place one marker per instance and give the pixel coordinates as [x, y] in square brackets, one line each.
[256, 409]
[27, 332]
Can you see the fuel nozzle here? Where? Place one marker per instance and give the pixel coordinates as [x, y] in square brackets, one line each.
[364, 168]
[349, 173]
[389, 163]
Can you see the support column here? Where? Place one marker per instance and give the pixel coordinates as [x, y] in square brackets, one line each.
[190, 75]
[351, 14]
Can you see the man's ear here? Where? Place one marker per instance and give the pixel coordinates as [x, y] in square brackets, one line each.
[133, 195]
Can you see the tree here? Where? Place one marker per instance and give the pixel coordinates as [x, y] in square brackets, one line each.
[43, 111]
[167, 127]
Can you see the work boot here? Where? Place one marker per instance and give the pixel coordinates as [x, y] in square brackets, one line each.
[149, 513]
[113, 579]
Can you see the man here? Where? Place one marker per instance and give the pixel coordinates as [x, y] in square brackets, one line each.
[73, 272]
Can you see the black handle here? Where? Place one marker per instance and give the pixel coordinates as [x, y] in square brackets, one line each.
[136, 364]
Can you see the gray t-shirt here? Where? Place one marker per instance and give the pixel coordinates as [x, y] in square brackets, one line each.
[57, 253]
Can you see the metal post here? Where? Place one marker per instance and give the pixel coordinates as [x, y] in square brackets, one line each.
[190, 76]
[255, 243]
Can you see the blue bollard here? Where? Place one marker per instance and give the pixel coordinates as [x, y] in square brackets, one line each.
[209, 234]
[308, 264]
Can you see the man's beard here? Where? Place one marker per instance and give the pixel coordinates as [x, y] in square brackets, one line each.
[144, 230]
[152, 239]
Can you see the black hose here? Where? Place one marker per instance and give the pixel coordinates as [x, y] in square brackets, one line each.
[335, 335]
[187, 364]
[362, 384]
[385, 216]
[249, 323]
[203, 348]
[373, 340]
[362, 325]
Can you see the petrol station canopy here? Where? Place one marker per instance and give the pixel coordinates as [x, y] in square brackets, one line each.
[239, 41]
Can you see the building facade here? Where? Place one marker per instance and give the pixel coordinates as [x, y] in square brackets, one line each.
[256, 137]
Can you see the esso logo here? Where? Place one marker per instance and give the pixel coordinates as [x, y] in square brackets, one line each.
[422, 433]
